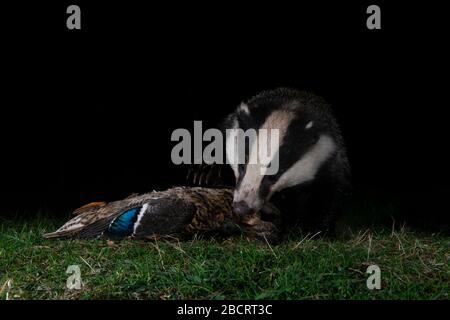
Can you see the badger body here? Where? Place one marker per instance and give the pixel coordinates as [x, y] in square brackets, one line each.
[313, 178]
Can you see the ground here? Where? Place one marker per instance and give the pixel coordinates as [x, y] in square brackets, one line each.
[413, 266]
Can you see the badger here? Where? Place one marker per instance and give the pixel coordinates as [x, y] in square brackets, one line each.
[313, 178]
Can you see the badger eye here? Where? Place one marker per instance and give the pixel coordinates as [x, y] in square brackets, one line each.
[266, 185]
[268, 180]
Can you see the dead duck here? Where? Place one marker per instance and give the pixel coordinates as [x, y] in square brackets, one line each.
[179, 211]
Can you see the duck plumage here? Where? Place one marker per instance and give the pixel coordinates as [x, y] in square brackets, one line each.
[179, 211]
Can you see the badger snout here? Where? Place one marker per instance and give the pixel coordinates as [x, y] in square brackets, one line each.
[246, 202]
[241, 209]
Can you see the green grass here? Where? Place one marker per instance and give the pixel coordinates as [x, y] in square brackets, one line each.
[413, 266]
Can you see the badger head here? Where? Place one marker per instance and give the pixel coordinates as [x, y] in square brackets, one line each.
[294, 151]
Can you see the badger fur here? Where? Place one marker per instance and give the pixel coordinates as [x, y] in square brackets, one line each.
[313, 177]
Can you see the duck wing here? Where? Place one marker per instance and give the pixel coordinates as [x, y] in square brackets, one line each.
[174, 211]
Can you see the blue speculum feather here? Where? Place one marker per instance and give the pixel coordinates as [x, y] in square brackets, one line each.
[123, 224]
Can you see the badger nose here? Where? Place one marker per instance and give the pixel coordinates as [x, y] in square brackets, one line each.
[241, 209]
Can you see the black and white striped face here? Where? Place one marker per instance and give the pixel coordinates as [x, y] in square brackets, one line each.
[301, 150]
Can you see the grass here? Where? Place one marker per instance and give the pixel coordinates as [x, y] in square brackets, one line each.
[413, 266]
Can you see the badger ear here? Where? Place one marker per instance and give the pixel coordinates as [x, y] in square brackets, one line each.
[228, 122]
[243, 109]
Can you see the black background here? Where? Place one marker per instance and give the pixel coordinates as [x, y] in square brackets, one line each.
[87, 115]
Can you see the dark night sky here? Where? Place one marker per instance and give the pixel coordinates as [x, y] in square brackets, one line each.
[87, 115]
